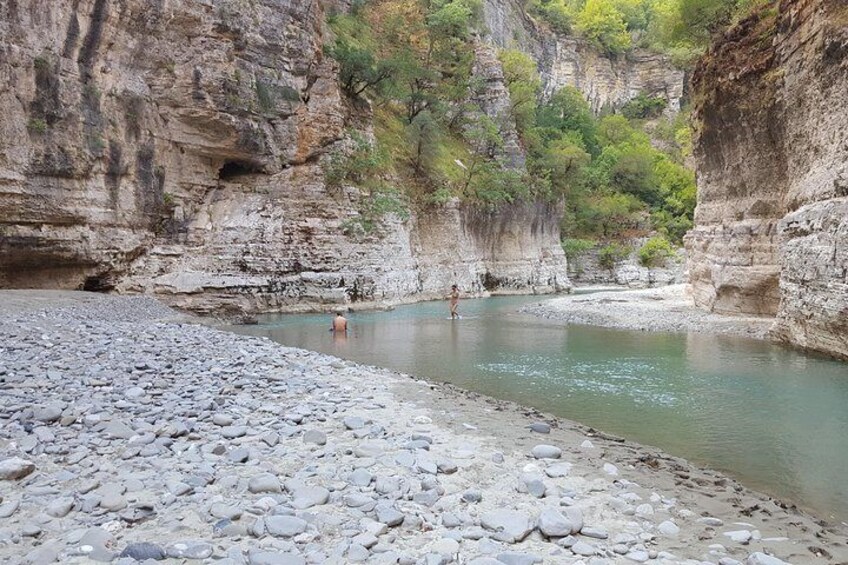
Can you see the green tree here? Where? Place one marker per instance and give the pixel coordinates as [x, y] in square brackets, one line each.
[702, 18]
[644, 106]
[522, 80]
[453, 18]
[358, 70]
[559, 14]
[608, 215]
[568, 110]
[636, 13]
[633, 173]
[600, 22]
[423, 136]
[615, 129]
[656, 252]
[611, 254]
[563, 163]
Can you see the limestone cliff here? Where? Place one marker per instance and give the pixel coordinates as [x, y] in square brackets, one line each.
[771, 232]
[177, 147]
[606, 82]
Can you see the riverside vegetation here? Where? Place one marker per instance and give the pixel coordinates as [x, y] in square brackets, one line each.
[680, 28]
[616, 173]
[621, 173]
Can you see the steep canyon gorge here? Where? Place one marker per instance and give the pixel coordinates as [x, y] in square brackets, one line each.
[771, 233]
[177, 147]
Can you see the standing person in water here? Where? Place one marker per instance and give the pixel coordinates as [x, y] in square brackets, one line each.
[454, 302]
[339, 325]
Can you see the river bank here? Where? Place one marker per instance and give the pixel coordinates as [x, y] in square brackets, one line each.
[664, 309]
[136, 436]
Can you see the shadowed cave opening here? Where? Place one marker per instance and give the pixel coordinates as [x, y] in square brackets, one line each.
[233, 169]
[98, 283]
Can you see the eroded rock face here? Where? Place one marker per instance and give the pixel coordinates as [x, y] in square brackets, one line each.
[174, 147]
[122, 119]
[771, 233]
[606, 82]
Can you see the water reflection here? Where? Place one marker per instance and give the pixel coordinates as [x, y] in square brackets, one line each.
[775, 419]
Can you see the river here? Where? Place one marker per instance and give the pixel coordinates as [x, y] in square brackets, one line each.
[775, 419]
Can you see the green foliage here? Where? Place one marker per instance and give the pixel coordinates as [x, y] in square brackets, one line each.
[609, 215]
[601, 23]
[414, 60]
[644, 106]
[37, 125]
[562, 163]
[681, 29]
[494, 184]
[423, 137]
[522, 79]
[633, 173]
[611, 254]
[364, 162]
[675, 134]
[373, 208]
[568, 111]
[575, 248]
[636, 13]
[358, 69]
[678, 191]
[365, 165]
[559, 14]
[614, 181]
[453, 18]
[656, 252]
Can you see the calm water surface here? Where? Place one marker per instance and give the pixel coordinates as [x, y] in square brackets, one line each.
[774, 418]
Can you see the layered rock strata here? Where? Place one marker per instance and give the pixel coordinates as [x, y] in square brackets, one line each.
[606, 82]
[176, 148]
[588, 268]
[771, 233]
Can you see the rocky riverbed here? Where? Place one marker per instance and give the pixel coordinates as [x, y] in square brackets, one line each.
[665, 309]
[128, 435]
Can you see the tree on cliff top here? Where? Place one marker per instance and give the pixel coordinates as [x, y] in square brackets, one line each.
[601, 23]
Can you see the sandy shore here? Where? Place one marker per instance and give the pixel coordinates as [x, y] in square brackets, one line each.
[127, 436]
[667, 309]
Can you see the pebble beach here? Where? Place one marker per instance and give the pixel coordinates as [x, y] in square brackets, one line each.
[132, 434]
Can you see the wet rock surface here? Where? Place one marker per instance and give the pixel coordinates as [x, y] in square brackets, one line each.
[182, 442]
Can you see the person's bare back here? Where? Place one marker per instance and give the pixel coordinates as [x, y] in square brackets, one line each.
[339, 324]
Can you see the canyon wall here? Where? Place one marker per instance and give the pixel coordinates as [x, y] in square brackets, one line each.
[771, 146]
[175, 148]
[606, 82]
[588, 268]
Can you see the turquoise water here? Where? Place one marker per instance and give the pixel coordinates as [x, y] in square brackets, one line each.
[775, 419]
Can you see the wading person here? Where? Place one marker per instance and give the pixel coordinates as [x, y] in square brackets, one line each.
[454, 302]
[339, 325]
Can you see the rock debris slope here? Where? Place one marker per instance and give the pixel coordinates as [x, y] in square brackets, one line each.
[125, 438]
[771, 233]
